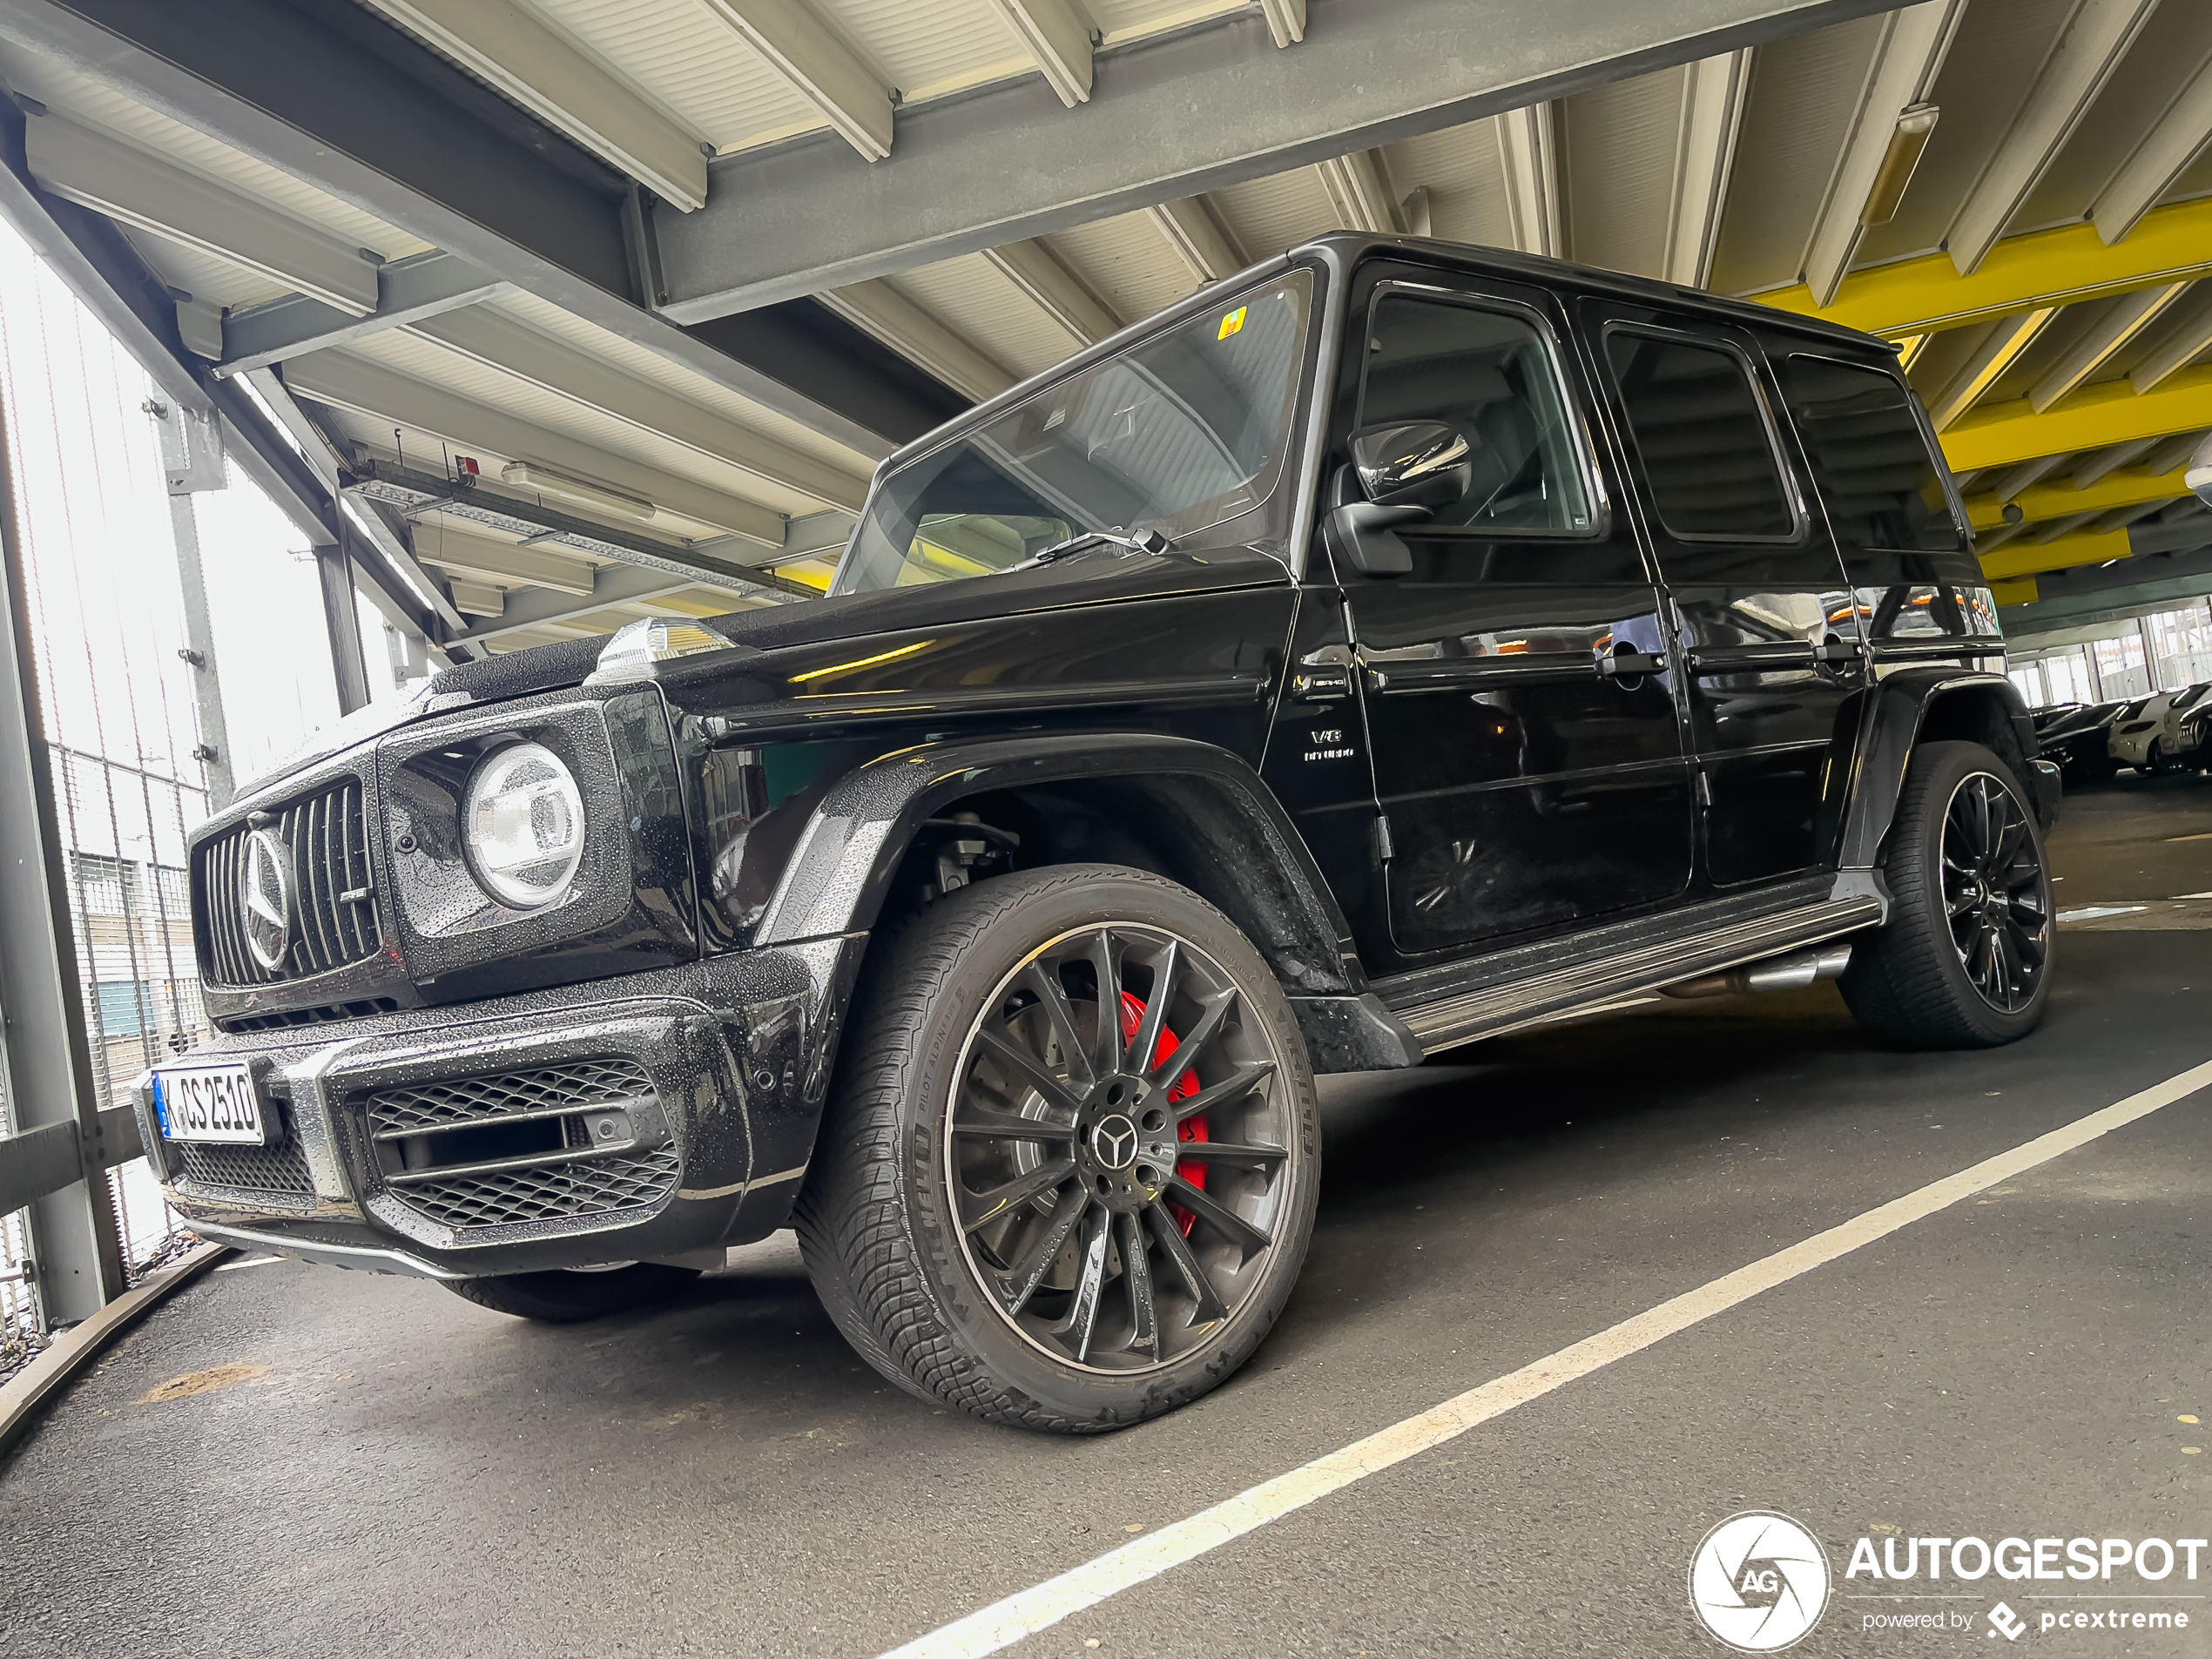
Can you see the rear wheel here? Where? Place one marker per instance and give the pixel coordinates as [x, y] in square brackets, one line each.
[2155, 763]
[1965, 960]
[564, 1295]
[1070, 1171]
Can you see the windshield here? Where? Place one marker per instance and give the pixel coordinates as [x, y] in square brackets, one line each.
[1177, 434]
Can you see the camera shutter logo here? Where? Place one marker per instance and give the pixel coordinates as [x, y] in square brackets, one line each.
[265, 898]
[1759, 1581]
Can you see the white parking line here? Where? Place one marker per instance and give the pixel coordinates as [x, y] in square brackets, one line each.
[251, 1261]
[1025, 1613]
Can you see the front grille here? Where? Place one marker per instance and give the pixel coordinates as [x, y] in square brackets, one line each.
[282, 1168]
[573, 1087]
[308, 1016]
[584, 1187]
[334, 919]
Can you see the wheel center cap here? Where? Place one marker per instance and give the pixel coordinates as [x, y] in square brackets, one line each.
[1113, 1142]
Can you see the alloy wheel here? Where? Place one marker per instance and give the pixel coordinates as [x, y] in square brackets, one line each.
[1120, 1150]
[1994, 895]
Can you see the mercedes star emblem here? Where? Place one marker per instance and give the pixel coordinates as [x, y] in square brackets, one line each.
[1113, 1142]
[265, 898]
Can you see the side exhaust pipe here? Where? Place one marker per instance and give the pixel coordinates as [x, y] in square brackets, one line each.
[1792, 972]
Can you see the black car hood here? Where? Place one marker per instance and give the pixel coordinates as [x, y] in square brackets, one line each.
[1102, 577]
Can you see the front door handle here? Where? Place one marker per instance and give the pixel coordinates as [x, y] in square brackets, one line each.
[1839, 648]
[1626, 661]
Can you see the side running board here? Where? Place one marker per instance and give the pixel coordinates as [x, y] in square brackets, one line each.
[1532, 984]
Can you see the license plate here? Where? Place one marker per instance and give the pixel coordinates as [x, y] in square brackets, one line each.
[209, 1104]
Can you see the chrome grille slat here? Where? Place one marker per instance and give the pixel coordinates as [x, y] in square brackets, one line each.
[327, 832]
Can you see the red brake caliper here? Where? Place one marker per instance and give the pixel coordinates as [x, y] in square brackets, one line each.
[1192, 1129]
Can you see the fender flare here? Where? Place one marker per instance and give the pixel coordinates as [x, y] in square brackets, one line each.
[846, 857]
[1896, 713]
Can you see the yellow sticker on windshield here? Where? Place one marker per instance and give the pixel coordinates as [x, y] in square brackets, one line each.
[1232, 323]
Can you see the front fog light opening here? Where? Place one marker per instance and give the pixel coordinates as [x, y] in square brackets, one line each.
[523, 825]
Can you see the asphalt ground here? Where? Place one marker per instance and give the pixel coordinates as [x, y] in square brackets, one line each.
[384, 1469]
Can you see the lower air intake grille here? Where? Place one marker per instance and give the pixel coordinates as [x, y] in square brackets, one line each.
[545, 1088]
[248, 1169]
[582, 1188]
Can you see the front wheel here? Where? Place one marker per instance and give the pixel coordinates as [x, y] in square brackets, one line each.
[1964, 958]
[1070, 1167]
[565, 1295]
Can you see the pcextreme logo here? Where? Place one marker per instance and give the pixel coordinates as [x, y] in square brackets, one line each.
[1759, 1581]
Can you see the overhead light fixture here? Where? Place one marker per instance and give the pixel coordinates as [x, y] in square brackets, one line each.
[1914, 123]
[530, 474]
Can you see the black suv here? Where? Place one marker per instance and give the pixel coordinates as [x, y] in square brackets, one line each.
[1398, 645]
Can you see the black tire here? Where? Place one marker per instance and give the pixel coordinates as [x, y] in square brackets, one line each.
[1964, 958]
[2155, 765]
[565, 1295]
[945, 1272]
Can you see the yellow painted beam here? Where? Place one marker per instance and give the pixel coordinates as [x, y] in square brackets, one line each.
[2019, 591]
[2112, 412]
[2052, 267]
[2130, 488]
[2019, 559]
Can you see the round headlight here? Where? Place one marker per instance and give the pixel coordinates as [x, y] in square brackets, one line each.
[523, 821]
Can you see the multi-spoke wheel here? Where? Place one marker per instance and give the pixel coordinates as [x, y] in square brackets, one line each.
[1965, 960]
[1069, 1176]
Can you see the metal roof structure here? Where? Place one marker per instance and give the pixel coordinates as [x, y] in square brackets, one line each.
[556, 313]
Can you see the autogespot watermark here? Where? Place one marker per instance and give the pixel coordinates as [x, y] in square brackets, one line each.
[1760, 1582]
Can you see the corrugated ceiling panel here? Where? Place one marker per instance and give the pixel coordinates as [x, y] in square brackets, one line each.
[464, 377]
[1267, 215]
[1128, 263]
[972, 299]
[1804, 92]
[2197, 181]
[69, 94]
[740, 411]
[2192, 310]
[2166, 56]
[926, 48]
[1618, 170]
[693, 64]
[2059, 335]
[1460, 169]
[1120, 20]
[1993, 61]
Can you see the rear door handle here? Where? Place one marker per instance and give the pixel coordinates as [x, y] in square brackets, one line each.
[1626, 662]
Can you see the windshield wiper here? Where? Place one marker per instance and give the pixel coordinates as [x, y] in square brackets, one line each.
[1141, 542]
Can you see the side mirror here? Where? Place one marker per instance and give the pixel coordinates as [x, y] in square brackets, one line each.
[1422, 463]
[1406, 472]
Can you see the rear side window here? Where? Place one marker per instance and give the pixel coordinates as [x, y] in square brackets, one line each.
[1707, 452]
[1869, 458]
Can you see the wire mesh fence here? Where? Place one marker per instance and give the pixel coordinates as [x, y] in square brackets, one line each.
[118, 700]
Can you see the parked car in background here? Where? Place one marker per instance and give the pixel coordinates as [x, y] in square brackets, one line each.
[2137, 734]
[2181, 733]
[2073, 737]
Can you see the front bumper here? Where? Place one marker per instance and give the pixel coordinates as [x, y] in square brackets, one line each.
[708, 1079]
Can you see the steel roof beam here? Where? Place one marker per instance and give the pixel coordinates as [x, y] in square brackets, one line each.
[407, 291]
[507, 48]
[2054, 267]
[617, 584]
[463, 553]
[1528, 156]
[2183, 346]
[2111, 412]
[2041, 502]
[499, 341]
[1188, 227]
[1167, 119]
[1037, 272]
[1056, 39]
[2096, 38]
[819, 66]
[2008, 337]
[1714, 90]
[333, 94]
[2160, 158]
[2132, 314]
[1915, 42]
[370, 388]
[83, 165]
[919, 336]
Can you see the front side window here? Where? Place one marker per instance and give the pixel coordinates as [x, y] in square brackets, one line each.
[1489, 376]
[1180, 433]
[1876, 476]
[1707, 454]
